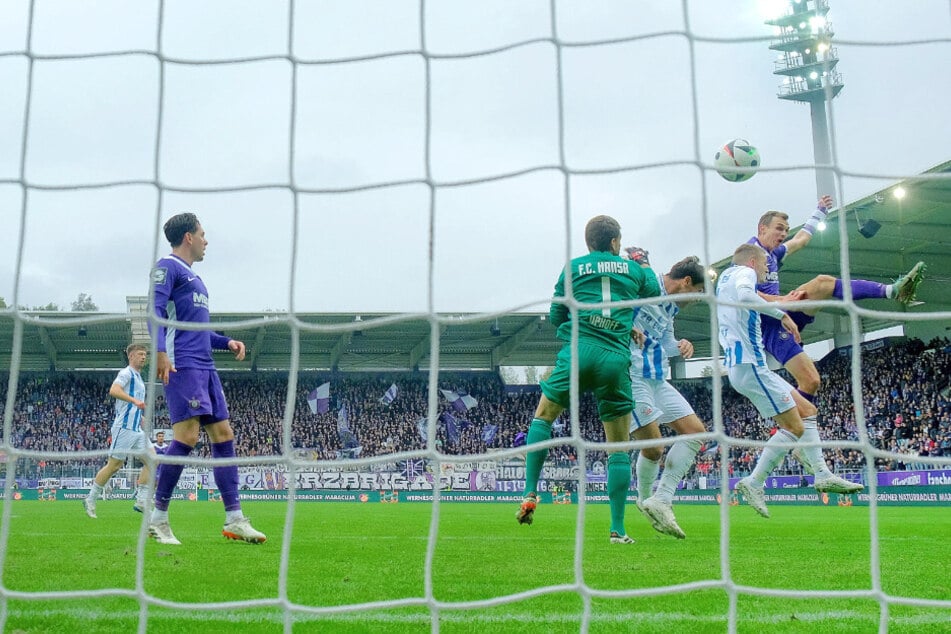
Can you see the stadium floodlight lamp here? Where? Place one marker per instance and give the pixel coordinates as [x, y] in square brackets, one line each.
[813, 75]
[899, 192]
[821, 226]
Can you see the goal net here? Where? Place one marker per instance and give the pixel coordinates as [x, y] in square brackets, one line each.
[438, 161]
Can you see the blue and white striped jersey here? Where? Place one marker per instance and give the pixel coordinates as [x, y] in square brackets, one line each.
[656, 321]
[128, 416]
[740, 334]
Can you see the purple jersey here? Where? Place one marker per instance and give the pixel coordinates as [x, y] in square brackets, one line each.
[774, 262]
[180, 295]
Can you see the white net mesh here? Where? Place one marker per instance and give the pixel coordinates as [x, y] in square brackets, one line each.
[405, 126]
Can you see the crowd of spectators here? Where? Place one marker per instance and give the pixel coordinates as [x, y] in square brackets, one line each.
[905, 387]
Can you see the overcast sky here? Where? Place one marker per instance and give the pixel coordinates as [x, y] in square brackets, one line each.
[498, 244]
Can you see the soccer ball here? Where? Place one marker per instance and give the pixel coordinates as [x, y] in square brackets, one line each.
[736, 153]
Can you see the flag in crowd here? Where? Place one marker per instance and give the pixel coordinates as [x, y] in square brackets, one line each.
[519, 439]
[422, 426]
[343, 418]
[488, 432]
[460, 401]
[390, 395]
[452, 427]
[319, 399]
[413, 468]
[348, 439]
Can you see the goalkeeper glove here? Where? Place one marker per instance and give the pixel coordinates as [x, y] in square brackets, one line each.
[638, 255]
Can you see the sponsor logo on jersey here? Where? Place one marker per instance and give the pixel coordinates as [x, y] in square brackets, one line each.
[159, 274]
[200, 299]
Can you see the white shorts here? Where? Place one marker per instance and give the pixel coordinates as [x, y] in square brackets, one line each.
[657, 400]
[768, 392]
[126, 442]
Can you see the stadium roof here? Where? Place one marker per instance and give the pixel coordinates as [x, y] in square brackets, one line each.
[916, 227]
[913, 228]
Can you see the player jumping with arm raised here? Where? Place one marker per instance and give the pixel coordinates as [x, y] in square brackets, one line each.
[772, 230]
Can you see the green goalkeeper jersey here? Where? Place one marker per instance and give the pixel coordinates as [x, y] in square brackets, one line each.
[601, 277]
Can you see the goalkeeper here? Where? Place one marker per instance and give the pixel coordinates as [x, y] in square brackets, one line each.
[603, 359]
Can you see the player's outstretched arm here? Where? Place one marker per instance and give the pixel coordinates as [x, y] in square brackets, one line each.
[804, 235]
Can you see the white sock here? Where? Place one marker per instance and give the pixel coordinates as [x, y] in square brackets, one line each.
[95, 492]
[646, 470]
[772, 455]
[142, 493]
[890, 291]
[158, 516]
[679, 459]
[233, 516]
[813, 455]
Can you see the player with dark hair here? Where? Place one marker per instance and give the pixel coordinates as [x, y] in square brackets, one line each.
[603, 358]
[160, 445]
[772, 230]
[193, 391]
[657, 402]
[128, 389]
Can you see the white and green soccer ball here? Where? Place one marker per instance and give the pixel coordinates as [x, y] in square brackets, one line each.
[736, 153]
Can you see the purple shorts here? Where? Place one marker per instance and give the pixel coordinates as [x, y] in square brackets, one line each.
[777, 341]
[192, 393]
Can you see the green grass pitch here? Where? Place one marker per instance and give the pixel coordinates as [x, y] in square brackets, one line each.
[343, 553]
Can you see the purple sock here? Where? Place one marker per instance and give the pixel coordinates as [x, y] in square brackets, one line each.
[806, 395]
[226, 477]
[168, 474]
[861, 289]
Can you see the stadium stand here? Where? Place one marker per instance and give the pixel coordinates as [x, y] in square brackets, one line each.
[906, 386]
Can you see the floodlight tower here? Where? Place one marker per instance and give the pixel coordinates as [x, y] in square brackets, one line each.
[807, 64]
